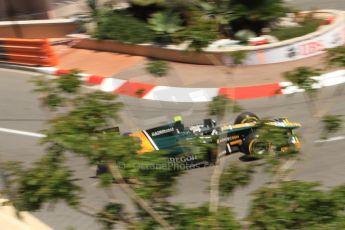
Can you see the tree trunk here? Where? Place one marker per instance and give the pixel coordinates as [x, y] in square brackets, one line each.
[214, 185]
[115, 172]
[220, 162]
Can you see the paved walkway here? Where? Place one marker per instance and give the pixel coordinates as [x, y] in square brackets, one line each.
[132, 68]
[9, 219]
[95, 62]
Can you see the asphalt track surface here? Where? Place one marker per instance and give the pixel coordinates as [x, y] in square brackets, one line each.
[20, 110]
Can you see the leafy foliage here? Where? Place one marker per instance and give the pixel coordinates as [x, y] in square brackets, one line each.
[158, 68]
[56, 92]
[302, 77]
[223, 219]
[331, 124]
[220, 104]
[200, 32]
[90, 120]
[281, 147]
[235, 176]
[92, 4]
[124, 28]
[201, 148]
[336, 56]
[69, 83]
[308, 26]
[256, 11]
[193, 218]
[48, 181]
[297, 205]
[154, 173]
[244, 35]
[53, 100]
[276, 136]
[111, 211]
[241, 14]
[165, 24]
[92, 113]
[204, 20]
[219, 11]
[238, 56]
[146, 2]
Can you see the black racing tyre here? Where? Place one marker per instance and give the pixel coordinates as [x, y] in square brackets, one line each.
[253, 146]
[246, 117]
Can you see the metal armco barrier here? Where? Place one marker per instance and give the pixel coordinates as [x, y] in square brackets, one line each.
[33, 52]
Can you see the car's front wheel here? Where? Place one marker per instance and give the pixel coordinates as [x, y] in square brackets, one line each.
[254, 146]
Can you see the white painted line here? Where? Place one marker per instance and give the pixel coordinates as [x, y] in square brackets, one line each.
[14, 131]
[331, 139]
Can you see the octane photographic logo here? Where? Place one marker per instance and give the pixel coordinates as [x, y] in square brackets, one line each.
[181, 163]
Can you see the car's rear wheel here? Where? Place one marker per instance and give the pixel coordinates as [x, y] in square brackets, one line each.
[246, 117]
[255, 147]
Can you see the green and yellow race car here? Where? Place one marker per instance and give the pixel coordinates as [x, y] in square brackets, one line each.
[242, 136]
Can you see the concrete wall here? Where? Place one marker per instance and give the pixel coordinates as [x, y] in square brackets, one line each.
[207, 58]
[38, 28]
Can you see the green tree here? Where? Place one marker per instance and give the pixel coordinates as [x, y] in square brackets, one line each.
[194, 218]
[234, 176]
[220, 12]
[123, 27]
[336, 56]
[199, 32]
[280, 151]
[220, 104]
[146, 2]
[164, 24]
[297, 205]
[303, 77]
[256, 14]
[277, 137]
[89, 118]
[47, 181]
[92, 4]
[158, 68]
[154, 174]
[111, 214]
[54, 93]
[238, 57]
[330, 124]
